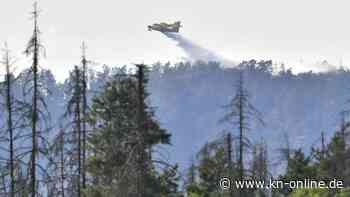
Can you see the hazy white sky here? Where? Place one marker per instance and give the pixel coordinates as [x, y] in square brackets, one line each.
[115, 31]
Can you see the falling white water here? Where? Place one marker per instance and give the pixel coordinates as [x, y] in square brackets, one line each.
[195, 52]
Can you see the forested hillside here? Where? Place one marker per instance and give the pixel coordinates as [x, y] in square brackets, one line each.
[190, 100]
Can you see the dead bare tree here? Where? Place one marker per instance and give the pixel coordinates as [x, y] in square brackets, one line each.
[37, 108]
[33, 48]
[7, 61]
[240, 113]
[84, 113]
[14, 125]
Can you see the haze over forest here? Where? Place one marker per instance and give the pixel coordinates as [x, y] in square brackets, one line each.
[189, 100]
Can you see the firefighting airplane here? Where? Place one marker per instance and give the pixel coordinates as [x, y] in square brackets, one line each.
[165, 27]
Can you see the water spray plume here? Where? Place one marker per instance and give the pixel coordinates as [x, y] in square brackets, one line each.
[196, 52]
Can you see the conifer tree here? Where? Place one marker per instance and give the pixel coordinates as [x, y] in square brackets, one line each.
[74, 112]
[125, 131]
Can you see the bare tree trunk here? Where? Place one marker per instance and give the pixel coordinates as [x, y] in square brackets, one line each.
[241, 128]
[10, 129]
[35, 107]
[241, 123]
[9, 119]
[141, 122]
[229, 151]
[78, 127]
[229, 158]
[34, 132]
[84, 81]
